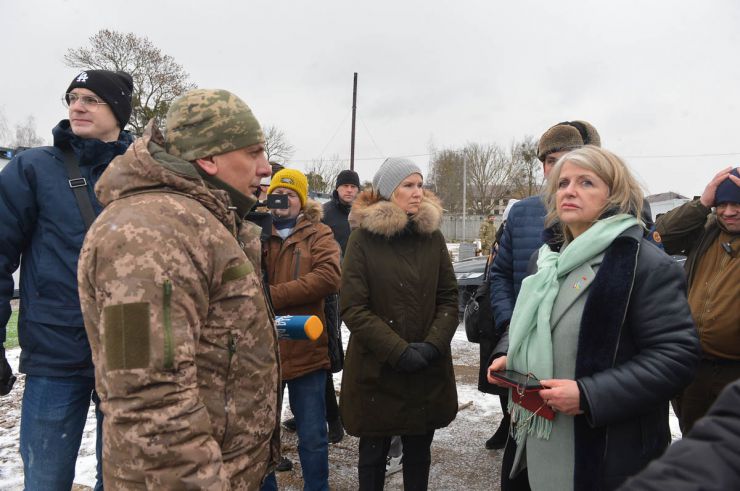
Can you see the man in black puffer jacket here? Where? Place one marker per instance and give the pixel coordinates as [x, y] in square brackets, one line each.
[40, 219]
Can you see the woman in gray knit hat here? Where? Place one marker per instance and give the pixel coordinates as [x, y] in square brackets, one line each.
[399, 302]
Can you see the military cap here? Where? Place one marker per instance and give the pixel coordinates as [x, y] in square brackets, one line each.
[206, 122]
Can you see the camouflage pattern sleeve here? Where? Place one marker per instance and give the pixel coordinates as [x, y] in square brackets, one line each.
[143, 296]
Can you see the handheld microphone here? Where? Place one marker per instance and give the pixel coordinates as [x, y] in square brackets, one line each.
[297, 327]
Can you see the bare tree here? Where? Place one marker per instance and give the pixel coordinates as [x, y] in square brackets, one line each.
[526, 178]
[488, 173]
[446, 180]
[322, 173]
[158, 79]
[4, 130]
[25, 134]
[277, 146]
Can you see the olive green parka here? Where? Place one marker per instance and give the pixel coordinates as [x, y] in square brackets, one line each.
[398, 287]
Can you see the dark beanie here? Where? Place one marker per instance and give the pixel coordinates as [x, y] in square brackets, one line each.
[348, 177]
[567, 135]
[115, 88]
[728, 191]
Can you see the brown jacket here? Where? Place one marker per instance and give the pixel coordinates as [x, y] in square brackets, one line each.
[302, 270]
[184, 345]
[714, 286]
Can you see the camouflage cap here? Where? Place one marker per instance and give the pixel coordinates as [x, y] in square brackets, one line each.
[205, 122]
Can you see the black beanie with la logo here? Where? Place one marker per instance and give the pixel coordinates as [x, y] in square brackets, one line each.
[115, 88]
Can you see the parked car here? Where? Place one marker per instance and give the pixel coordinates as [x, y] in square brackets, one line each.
[470, 274]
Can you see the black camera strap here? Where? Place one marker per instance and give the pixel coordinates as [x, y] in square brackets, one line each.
[78, 184]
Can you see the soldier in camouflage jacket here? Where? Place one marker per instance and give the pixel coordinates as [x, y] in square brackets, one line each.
[183, 341]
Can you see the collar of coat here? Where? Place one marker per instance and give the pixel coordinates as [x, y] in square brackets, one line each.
[311, 214]
[383, 217]
[146, 167]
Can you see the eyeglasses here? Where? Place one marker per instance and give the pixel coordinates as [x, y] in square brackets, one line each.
[90, 102]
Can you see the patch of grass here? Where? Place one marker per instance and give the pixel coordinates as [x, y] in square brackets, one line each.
[11, 331]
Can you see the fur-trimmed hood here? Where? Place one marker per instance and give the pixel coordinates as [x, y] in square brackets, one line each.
[312, 211]
[380, 216]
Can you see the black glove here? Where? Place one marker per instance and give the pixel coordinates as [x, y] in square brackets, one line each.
[427, 350]
[7, 379]
[411, 361]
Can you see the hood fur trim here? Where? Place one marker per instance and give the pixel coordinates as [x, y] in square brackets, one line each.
[313, 211]
[379, 216]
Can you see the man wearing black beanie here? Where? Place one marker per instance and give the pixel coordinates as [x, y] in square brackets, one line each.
[337, 209]
[46, 206]
[707, 231]
[336, 216]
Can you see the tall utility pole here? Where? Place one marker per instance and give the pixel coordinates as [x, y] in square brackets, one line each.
[465, 193]
[354, 114]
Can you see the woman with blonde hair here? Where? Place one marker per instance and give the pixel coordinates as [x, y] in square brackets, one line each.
[604, 327]
[399, 302]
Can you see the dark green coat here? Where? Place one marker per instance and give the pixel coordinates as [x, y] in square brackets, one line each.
[398, 287]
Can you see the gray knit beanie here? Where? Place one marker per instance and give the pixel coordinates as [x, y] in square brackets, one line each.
[391, 173]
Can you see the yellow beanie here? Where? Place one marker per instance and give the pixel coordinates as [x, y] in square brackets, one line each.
[290, 179]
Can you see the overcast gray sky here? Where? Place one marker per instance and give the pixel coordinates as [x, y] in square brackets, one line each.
[659, 79]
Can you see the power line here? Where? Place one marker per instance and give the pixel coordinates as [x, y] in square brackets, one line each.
[681, 156]
[330, 139]
[371, 136]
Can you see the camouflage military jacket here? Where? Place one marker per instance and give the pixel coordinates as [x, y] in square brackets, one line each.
[184, 345]
[487, 234]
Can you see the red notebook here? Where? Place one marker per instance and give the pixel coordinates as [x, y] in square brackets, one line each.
[526, 391]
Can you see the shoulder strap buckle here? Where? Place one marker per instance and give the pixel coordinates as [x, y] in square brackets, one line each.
[77, 183]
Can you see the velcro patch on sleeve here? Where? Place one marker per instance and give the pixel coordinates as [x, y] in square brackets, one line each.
[236, 272]
[126, 336]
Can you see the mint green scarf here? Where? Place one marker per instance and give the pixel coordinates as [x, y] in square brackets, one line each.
[530, 337]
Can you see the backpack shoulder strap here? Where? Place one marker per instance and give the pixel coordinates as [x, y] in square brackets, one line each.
[78, 184]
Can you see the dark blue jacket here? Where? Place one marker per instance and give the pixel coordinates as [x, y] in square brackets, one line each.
[40, 221]
[522, 236]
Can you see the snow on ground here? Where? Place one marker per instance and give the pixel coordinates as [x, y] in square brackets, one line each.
[459, 460]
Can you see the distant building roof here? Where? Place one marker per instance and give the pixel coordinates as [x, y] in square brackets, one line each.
[657, 198]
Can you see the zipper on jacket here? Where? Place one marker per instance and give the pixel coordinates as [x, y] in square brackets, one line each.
[297, 269]
[231, 347]
[724, 259]
[169, 355]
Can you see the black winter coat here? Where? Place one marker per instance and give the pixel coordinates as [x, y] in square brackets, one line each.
[335, 216]
[637, 348]
[708, 458]
[398, 287]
